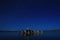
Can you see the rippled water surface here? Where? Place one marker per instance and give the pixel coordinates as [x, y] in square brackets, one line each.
[16, 36]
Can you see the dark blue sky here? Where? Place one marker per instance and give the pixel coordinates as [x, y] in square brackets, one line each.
[34, 14]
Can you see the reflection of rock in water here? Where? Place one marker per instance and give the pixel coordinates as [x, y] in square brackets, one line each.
[30, 32]
[27, 32]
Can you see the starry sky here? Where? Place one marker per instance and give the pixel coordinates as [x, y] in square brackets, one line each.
[34, 14]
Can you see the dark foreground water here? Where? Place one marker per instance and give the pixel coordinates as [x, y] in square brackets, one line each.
[16, 36]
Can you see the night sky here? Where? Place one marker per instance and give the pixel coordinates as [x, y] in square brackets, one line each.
[34, 14]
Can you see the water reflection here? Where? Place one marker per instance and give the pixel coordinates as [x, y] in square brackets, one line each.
[15, 36]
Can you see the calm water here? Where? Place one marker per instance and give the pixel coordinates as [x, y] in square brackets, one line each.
[16, 36]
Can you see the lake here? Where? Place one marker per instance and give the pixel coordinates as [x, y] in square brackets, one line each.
[16, 36]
